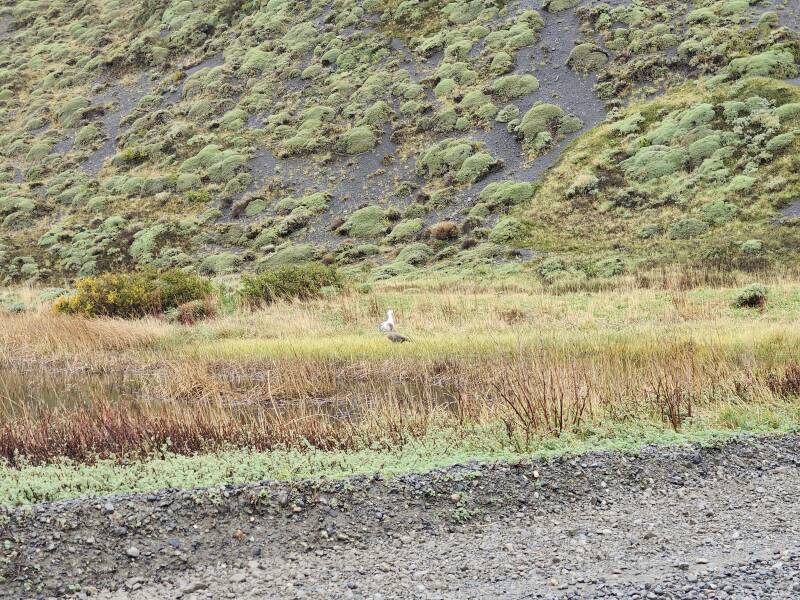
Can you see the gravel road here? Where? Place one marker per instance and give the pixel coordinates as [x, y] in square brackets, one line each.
[685, 522]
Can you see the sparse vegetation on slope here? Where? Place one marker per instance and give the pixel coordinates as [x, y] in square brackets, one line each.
[170, 135]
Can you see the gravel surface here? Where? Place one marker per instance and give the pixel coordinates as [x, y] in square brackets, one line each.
[667, 523]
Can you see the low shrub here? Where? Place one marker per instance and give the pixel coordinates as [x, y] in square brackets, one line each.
[752, 296]
[449, 156]
[751, 246]
[506, 230]
[515, 86]
[559, 5]
[133, 295]
[415, 254]
[405, 230]
[684, 229]
[217, 264]
[718, 212]
[357, 140]
[444, 230]
[772, 63]
[288, 282]
[585, 58]
[177, 288]
[476, 167]
[506, 193]
[369, 221]
[608, 267]
[192, 312]
[552, 269]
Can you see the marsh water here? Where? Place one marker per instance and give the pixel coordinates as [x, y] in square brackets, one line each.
[38, 391]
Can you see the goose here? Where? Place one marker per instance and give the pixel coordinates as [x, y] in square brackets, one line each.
[387, 329]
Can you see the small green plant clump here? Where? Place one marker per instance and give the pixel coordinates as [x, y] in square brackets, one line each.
[289, 282]
[133, 295]
[459, 160]
[543, 124]
[753, 296]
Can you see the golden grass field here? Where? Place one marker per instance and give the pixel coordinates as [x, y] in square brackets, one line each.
[507, 364]
[476, 350]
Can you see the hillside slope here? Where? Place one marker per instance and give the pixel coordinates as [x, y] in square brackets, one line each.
[395, 136]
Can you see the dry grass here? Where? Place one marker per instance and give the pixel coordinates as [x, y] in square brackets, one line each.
[46, 337]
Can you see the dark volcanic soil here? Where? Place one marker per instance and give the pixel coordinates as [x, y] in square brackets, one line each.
[668, 523]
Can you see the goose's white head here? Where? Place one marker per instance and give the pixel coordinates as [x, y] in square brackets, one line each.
[388, 324]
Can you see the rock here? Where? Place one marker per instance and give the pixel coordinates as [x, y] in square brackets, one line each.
[108, 508]
[133, 552]
[239, 577]
[134, 583]
[194, 586]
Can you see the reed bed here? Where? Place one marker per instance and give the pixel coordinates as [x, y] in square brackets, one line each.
[202, 407]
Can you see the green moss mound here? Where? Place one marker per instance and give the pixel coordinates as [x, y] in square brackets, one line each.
[357, 140]
[560, 5]
[514, 86]
[460, 159]
[366, 222]
[586, 58]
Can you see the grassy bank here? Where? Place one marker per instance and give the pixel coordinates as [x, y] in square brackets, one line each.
[66, 479]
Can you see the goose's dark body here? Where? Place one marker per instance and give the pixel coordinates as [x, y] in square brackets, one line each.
[396, 338]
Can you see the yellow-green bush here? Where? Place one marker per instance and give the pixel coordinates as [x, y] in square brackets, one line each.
[131, 295]
[287, 283]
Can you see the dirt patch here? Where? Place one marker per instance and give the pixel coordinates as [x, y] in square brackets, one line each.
[596, 525]
[791, 211]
